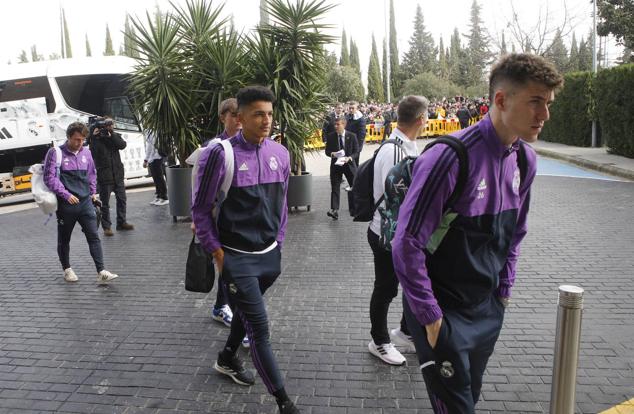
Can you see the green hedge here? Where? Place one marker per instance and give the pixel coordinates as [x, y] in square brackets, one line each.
[614, 94]
[570, 121]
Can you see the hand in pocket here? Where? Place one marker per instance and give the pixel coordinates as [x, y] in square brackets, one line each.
[433, 331]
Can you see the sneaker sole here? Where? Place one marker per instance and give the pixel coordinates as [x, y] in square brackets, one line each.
[230, 374]
[71, 280]
[105, 282]
[222, 321]
[378, 355]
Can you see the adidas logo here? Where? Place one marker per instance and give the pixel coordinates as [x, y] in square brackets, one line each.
[483, 185]
[243, 167]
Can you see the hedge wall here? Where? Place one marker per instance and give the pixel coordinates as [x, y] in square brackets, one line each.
[614, 94]
[570, 120]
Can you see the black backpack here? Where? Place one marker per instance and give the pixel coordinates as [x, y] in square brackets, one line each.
[363, 187]
[399, 179]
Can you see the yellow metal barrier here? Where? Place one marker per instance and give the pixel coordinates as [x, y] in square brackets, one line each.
[434, 128]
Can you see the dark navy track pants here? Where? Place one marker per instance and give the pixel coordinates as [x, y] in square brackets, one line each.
[245, 278]
[453, 370]
[67, 216]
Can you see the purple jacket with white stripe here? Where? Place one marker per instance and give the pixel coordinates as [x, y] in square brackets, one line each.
[254, 214]
[472, 254]
[77, 175]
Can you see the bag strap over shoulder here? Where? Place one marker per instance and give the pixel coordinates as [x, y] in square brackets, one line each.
[522, 162]
[463, 164]
[229, 166]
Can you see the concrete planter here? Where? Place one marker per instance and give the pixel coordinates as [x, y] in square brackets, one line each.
[300, 191]
[179, 190]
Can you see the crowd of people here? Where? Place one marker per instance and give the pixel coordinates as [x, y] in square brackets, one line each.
[456, 284]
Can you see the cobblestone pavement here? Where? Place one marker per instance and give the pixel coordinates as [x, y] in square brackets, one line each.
[144, 344]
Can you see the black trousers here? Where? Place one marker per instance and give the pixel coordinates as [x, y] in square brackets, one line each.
[336, 177]
[67, 216]
[104, 194]
[245, 278]
[453, 369]
[157, 170]
[385, 289]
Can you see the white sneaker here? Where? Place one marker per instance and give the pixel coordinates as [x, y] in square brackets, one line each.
[245, 342]
[105, 276]
[69, 275]
[387, 353]
[161, 202]
[153, 202]
[402, 341]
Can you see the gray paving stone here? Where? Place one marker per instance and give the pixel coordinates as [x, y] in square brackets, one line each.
[144, 345]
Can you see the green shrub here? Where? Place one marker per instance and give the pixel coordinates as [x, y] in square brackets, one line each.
[570, 114]
[614, 94]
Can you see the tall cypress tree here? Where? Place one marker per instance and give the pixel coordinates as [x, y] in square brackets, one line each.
[88, 51]
[384, 71]
[585, 55]
[35, 57]
[557, 53]
[421, 56]
[573, 60]
[109, 51]
[23, 58]
[375, 85]
[458, 61]
[354, 57]
[478, 50]
[69, 50]
[344, 60]
[395, 77]
[443, 65]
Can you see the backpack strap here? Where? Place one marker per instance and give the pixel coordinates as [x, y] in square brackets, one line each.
[58, 159]
[522, 162]
[463, 164]
[387, 141]
[228, 178]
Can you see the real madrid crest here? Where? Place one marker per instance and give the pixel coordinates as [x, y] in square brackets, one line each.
[273, 163]
[446, 369]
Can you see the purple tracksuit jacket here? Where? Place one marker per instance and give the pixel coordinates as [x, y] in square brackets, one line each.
[77, 175]
[472, 253]
[254, 214]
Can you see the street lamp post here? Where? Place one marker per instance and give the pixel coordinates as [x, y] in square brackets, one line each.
[594, 64]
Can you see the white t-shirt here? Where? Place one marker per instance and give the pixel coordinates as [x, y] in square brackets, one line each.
[388, 156]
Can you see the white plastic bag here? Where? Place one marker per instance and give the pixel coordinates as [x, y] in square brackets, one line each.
[43, 196]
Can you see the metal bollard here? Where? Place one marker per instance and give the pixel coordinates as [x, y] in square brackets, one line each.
[567, 342]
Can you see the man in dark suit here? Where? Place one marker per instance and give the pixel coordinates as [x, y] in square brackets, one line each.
[356, 125]
[343, 148]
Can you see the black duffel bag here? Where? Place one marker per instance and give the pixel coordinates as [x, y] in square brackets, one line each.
[199, 271]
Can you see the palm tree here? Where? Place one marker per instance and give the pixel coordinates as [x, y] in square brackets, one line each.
[288, 55]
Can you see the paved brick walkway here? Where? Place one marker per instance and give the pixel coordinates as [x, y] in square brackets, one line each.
[144, 344]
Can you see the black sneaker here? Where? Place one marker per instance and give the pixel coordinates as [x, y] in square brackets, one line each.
[234, 368]
[334, 214]
[288, 407]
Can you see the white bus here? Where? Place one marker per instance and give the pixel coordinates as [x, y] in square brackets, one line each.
[39, 100]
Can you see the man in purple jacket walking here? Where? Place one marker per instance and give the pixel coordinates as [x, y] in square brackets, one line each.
[74, 180]
[246, 237]
[457, 266]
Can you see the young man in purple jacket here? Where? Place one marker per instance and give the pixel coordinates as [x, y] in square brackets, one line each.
[457, 267]
[74, 180]
[246, 238]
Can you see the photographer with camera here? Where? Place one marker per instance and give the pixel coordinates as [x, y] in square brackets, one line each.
[105, 145]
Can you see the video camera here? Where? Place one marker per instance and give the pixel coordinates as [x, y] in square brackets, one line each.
[100, 122]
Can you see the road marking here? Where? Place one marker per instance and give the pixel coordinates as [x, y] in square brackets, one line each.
[626, 407]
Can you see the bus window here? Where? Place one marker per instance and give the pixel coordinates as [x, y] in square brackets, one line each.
[28, 88]
[102, 94]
